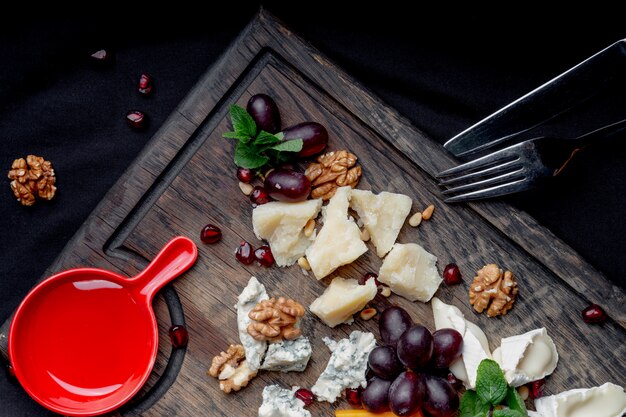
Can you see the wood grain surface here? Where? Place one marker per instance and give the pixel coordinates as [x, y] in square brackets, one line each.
[185, 179]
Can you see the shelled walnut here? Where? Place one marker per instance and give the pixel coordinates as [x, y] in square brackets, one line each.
[231, 369]
[331, 171]
[32, 178]
[493, 289]
[275, 319]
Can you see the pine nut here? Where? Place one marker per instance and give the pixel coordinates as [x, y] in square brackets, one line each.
[309, 228]
[386, 291]
[523, 392]
[428, 212]
[368, 313]
[304, 264]
[415, 219]
[365, 235]
[245, 188]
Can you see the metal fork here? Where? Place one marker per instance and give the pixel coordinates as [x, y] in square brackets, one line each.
[518, 167]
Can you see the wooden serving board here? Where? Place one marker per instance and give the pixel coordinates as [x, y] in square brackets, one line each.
[185, 179]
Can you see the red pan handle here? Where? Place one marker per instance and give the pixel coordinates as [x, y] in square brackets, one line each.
[178, 255]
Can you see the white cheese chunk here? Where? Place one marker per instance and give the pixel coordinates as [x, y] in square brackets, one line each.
[339, 241]
[248, 299]
[282, 226]
[280, 402]
[383, 216]
[342, 299]
[410, 271]
[527, 357]
[346, 367]
[608, 400]
[288, 355]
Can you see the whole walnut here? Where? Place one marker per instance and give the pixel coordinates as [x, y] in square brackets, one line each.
[494, 290]
[32, 178]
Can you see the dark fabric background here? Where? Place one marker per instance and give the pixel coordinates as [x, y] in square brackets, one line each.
[443, 72]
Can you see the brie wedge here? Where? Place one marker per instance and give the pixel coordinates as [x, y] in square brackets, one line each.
[282, 225]
[248, 299]
[527, 357]
[410, 271]
[342, 299]
[382, 215]
[339, 241]
[475, 344]
[608, 400]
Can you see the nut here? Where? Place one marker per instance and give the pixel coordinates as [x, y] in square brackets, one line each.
[246, 188]
[231, 357]
[331, 171]
[275, 320]
[493, 289]
[523, 392]
[304, 263]
[231, 369]
[365, 235]
[428, 212]
[237, 378]
[415, 219]
[309, 228]
[385, 291]
[32, 178]
[368, 313]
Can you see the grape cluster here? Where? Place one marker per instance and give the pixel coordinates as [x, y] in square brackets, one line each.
[405, 370]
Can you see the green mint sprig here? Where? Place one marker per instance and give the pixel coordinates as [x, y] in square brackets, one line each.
[491, 390]
[256, 149]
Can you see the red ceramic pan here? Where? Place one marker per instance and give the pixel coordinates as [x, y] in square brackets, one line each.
[84, 341]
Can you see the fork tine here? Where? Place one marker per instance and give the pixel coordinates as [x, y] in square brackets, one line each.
[501, 189]
[473, 176]
[498, 157]
[478, 185]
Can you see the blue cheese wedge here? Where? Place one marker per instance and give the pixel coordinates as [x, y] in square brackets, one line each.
[281, 402]
[346, 367]
[288, 355]
[247, 300]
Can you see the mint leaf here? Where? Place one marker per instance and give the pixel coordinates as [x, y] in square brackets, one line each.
[265, 138]
[472, 406]
[247, 156]
[515, 402]
[280, 135]
[507, 413]
[236, 135]
[292, 145]
[491, 386]
[243, 123]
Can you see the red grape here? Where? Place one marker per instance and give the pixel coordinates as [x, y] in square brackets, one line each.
[287, 185]
[392, 323]
[314, 137]
[441, 399]
[447, 347]
[384, 362]
[406, 393]
[375, 397]
[264, 111]
[415, 347]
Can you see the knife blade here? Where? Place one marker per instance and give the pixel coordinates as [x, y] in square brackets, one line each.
[545, 102]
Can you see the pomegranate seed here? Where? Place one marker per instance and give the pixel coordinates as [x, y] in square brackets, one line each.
[210, 234]
[305, 395]
[244, 253]
[594, 314]
[244, 175]
[179, 336]
[369, 276]
[145, 84]
[452, 380]
[264, 256]
[536, 389]
[136, 119]
[259, 196]
[452, 275]
[354, 396]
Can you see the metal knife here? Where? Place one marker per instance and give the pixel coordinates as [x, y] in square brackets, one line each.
[543, 103]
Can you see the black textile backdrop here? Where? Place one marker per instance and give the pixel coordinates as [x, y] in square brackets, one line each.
[443, 72]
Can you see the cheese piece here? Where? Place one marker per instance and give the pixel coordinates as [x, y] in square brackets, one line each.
[342, 299]
[383, 216]
[288, 355]
[608, 400]
[339, 241]
[475, 344]
[346, 367]
[248, 299]
[280, 402]
[527, 357]
[282, 226]
[410, 271]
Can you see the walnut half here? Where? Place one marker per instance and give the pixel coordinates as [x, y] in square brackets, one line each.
[493, 290]
[331, 171]
[275, 319]
[231, 369]
[32, 178]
